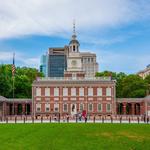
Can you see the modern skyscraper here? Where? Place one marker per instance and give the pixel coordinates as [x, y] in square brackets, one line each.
[43, 66]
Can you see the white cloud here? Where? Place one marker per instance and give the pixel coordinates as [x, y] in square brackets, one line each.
[120, 62]
[53, 17]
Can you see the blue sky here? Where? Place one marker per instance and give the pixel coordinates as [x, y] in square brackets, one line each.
[118, 31]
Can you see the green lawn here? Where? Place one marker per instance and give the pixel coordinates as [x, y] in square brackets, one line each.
[75, 136]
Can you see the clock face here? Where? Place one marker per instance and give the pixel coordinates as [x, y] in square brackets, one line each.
[74, 62]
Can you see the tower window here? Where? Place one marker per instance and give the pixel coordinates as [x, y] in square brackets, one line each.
[74, 48]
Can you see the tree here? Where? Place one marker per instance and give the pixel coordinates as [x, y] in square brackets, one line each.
[133, 86]
[24, 78]
[127, 86]
[5, 80]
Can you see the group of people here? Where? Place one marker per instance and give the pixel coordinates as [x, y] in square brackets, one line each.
[78, 116]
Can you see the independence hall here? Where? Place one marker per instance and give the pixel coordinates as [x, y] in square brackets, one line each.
[72, 96]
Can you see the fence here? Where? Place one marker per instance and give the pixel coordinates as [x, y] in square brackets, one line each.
[75, 119]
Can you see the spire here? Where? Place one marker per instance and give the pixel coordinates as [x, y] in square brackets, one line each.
[74, 44]
[74, 30]
[74, 27]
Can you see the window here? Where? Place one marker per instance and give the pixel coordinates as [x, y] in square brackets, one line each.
[108, 107]
[47, 107]
[56, 91]
[38, 91]
[88, 60]
[81, 91]
[99, 107]
[81, 107]
[99, 91]
[38, 107]
[74, 76]
[65, 107]
[108, 91]
[73, 91]
[56, 107]
[90, 108]
[74, 48]
[65, 91]
[47, 91]
[90, 91]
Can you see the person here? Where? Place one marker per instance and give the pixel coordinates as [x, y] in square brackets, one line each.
[85, 119]
[67, 118]
[55, 119]
[80, 117]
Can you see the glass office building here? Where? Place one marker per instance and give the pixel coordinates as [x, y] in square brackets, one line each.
[56, 65]
[43, 65]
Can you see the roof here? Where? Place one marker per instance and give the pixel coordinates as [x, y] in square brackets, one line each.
[147, 97]
[3, 98]
[74, 41]
[130, 99]
[15, 99]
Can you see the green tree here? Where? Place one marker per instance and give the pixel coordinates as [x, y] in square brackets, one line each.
[24, 78]
[128, 86]
[5, 80]
[134, 86]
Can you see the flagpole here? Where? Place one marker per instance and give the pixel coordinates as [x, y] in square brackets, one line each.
[13, 78]
[13, 97]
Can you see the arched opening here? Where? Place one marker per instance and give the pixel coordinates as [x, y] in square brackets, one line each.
[19, 112]
[137, 109]
[1, 109]
[129, 109]
[28, 109]
[10, 109]
[120, 108]
[74, 48]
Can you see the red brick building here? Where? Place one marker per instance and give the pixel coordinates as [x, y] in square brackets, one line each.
[10, 107]
[72, 96]
[133, 106]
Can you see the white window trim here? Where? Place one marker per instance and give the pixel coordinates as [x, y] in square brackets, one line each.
[90, 91]
[107, 107]
[108, 93]
[99, 91]
[47, 107]
[38, 91]
[74, 92]
[47, 91]
[81, 91]
[56, 93]
[65, 91]
[101, 107]
[64, 107]
[56, 107]
[38, 106]
[89, 107]
[82, 106]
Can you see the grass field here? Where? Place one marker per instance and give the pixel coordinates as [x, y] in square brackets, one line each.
[74, 136]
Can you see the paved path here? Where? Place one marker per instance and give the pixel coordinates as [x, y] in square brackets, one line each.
[72, 121]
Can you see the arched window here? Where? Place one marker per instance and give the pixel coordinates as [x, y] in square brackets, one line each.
[74, 48]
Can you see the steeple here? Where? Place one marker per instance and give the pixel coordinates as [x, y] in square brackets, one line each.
[74, 30]
[74, 44]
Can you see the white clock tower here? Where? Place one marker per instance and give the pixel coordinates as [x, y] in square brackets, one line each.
[74, 58]
[74, 64]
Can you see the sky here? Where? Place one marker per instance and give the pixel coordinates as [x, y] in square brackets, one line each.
[118, 31]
